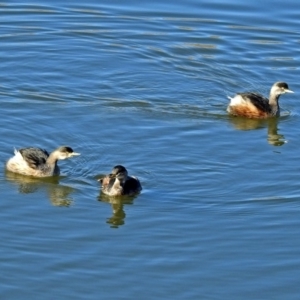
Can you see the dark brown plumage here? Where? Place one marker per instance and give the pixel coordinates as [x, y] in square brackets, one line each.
[119, 183]
[253, 105]
[38, 162]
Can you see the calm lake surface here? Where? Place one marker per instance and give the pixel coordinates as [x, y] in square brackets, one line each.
[145, 85]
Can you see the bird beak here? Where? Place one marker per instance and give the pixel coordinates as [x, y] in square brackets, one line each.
[288, 91]
[75, 154]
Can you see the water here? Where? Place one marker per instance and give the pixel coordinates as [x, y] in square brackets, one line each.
[145, 85]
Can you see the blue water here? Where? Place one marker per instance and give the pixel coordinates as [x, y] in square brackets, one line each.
[145, 85]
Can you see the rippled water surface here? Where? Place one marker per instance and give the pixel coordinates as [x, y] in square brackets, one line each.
[145, 85]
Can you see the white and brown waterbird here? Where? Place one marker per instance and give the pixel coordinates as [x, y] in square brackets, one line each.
[38, 162]
[256, 106]
[119, 183]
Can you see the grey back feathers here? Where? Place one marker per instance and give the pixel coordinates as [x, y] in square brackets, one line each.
[34, 156]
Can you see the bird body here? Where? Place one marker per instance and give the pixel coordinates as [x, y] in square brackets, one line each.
[254, 105]
[38, 162]
[119, 183]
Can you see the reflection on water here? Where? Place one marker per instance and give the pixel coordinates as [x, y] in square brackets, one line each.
[273, 137]
[117, 203]
[59, 195]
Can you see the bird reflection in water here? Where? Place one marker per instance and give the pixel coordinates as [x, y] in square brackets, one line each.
[271, 124]
[59, 195]
[117, 204]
